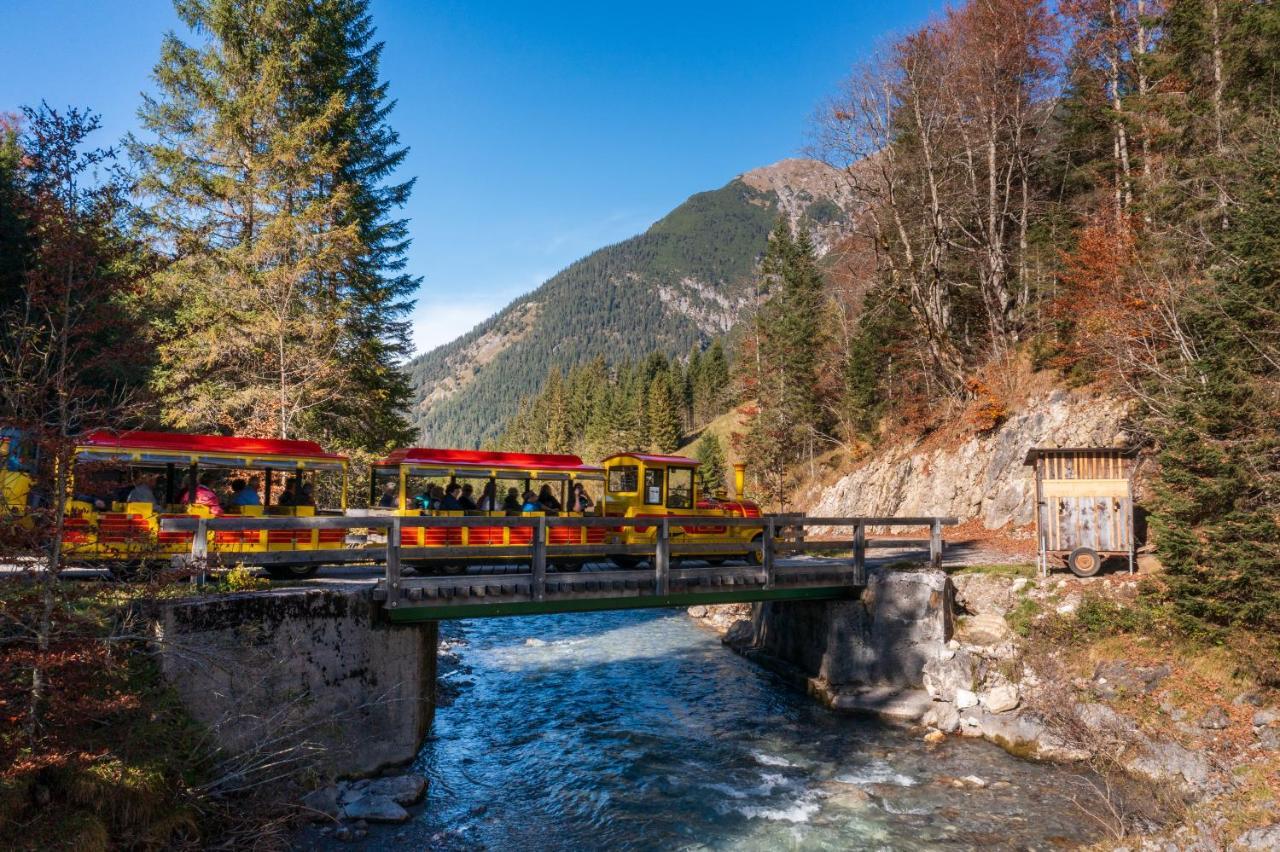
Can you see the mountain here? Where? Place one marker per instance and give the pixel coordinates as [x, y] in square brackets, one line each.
[686, 279]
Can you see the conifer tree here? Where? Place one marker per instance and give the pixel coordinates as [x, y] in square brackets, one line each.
[265, 183]
[711, 469]
[664, 415]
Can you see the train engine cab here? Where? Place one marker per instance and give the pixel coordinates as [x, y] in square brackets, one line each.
[640, 485]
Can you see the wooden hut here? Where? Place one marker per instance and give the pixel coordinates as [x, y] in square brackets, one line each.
[1084, 506]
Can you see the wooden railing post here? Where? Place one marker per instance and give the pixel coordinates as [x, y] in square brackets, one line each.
[935, 544]
[766, 547]
[860, 553]
[200, 549]
[662, 559]
[393, 562]
[538, 587]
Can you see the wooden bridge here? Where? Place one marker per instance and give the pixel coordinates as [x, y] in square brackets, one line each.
[788, 565]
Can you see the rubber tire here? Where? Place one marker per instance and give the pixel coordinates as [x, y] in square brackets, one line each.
[1084, 562]
[565, 567]
[292, 572]
[626, 563]
[715, 561]
[755, 556]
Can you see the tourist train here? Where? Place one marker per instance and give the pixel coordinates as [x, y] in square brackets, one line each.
[124, 484]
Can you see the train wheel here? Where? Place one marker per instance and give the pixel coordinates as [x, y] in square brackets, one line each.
[292, 572]
[715, 561]
[755, 555]
[1084, 562]
[625, 562]
[568, 567]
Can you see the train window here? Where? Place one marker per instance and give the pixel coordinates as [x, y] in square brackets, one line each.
[680, 488]
[653, 486]
[623, 479]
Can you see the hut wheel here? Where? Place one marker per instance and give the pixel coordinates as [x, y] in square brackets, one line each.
[1084, 562]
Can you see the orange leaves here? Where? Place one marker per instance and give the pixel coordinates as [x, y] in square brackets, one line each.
[988, 409]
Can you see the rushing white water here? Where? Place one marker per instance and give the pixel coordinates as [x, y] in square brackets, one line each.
[637, 730]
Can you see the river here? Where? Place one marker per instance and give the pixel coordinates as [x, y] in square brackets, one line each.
[638, 730]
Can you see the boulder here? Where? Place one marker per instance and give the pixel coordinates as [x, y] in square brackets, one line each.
[1215, 719]
[1001, 699]
[739, 633]
[885, 701]
[372, 808]
[1122, 677]
[401, 789]
[942, 715]
[986, 628]
[965, 699]
[1265, 838]
[697, 612]
[1269, 738]
[1265, 717]
[322, 803]
[1164, 762]
[947, 673]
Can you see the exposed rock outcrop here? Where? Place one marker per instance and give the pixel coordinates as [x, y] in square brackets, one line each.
[984, 476]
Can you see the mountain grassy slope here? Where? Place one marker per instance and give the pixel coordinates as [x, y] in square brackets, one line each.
[687, 279]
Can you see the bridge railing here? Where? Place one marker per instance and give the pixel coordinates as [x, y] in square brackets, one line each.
[780, 536]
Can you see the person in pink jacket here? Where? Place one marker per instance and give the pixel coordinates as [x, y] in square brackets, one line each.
[204, 496]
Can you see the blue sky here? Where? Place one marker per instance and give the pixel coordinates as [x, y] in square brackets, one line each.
[539, 131]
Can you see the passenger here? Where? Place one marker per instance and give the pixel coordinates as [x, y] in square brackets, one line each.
[306, 496]
[488, 503]
[203, 495]
[436, 493]
[141, 492]
[249, 496]
[579, 500]
[547, 500]
[290, 495]
[467, 502]
[511, 504]
[390, 496]
[450, 502]
[531, 503]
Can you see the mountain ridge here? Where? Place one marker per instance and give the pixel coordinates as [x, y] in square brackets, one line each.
[686, 279]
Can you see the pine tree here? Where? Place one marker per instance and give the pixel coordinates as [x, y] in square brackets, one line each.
[555, 414]
[664, 415]
[260, 189]
[711, 469]
[710, 382]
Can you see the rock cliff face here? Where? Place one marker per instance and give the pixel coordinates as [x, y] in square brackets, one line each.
[983, 477]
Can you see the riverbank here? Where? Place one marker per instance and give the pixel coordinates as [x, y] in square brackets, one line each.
[1082, 671]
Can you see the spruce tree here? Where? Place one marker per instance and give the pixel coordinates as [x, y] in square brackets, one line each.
[664, 415]
[711, 469]
[285, 300]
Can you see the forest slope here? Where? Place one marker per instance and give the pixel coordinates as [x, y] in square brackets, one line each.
[687, 279]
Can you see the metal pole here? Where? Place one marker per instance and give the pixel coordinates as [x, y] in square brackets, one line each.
[539, 581]
[200, 550]
[935, 545]
[393, 562]
[662, 559]
[770, 530]
[860, 553]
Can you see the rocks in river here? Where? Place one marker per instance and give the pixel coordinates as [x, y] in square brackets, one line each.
[697, 612]
[949, 672]
[374, 809]
[884, 701]
[936, 736]
[942, 715]
[966, 698]
[368, 800]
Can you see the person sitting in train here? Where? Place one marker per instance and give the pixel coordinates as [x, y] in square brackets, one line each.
[306, 497]
[241, 495]
[511, 505]
[249, 496]
[389, 496]
[451, 503]
[580, 500]
[531, 503]
[488, 500]
[547, 501]
[141, 492]
[289, 497]
[200, 494]
[465, 500]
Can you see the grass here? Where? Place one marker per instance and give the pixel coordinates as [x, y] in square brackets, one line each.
[1025, 570]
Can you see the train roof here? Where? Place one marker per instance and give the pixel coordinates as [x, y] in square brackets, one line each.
[1039, 452]
[484, 460]
[656, 459]
[202, 448]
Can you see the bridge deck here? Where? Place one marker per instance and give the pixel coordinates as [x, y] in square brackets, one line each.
[487, 595]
